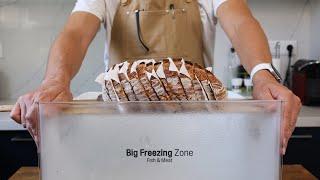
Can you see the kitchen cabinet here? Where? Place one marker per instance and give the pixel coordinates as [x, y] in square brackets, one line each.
[304, 148]
[17, 149]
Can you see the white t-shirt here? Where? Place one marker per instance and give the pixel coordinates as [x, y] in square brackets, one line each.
[105, 10]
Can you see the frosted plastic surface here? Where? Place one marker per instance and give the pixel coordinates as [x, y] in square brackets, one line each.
[217, 140]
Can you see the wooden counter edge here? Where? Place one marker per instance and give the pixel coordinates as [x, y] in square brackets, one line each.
[289, 172]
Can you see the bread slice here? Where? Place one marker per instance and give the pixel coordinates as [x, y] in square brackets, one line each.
[199, 92]
[142, 74]
[156, 82]
[114, 74]
[105, 93]
[160, 73]
[125, 82]
[112, 94]
[186, 79]
[172, 76]
[202, 76]
[137, 87]
[220, 92]
[109, 87]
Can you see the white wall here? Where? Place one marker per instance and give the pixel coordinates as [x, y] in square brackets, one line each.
[279, 19]
[27, 29]
[315, 30]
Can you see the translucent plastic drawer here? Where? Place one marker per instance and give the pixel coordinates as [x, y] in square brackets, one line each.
[160, 140]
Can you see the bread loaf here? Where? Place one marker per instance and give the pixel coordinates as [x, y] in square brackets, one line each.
[165, 80]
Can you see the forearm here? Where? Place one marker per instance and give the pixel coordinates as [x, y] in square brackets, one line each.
[251, 44]
[65, 58]
[245, 33]
[69, 49]
[252, 47]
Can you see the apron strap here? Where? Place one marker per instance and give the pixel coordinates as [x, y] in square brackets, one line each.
[137, 12]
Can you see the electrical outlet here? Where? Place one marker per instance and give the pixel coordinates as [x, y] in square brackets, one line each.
[283, 46]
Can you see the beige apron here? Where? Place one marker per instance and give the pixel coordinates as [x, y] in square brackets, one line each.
[156, 29]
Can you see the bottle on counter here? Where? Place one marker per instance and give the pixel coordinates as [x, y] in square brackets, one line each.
[248, 87]
[233, 65]
[236, 85]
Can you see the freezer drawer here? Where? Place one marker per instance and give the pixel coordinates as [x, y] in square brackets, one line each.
[160, 140]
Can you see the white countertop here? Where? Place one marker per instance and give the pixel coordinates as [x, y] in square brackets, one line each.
[6, 123]
[309, 117]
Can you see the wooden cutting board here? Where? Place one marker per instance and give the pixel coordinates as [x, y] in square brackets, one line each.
[6, 108]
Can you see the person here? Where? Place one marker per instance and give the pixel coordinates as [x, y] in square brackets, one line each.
[156, 28]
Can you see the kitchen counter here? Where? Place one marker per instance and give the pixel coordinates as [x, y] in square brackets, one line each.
[309, 117]
[6, 123]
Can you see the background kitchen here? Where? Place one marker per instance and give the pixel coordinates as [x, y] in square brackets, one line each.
[28, 27]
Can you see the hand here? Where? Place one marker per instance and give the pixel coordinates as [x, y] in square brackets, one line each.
[265, 87]
[25, 109]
